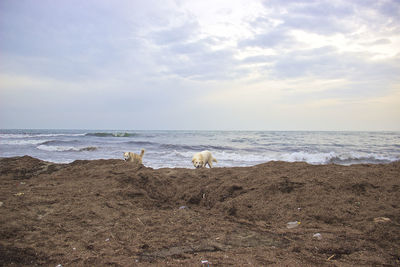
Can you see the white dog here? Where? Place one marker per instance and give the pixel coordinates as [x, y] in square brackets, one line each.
[132, 157]
[200, 159]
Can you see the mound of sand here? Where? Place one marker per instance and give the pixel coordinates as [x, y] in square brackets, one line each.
[110, 212]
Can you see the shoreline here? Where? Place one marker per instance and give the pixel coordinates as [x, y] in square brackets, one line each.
[98, 212]
[214, 167]
[176, 148]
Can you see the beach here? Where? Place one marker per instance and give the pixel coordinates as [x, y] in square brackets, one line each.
[111, 212]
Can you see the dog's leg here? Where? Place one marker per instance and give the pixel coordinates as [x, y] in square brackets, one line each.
[210, 163]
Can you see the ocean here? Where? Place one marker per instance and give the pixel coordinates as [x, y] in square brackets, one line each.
[231, 148]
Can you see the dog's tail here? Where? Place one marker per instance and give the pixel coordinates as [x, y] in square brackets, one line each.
[215, 160]
[142, 153]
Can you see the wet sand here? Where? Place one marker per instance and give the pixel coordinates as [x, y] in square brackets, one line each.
[110, 212]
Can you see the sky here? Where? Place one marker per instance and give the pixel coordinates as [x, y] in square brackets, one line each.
[200, 65]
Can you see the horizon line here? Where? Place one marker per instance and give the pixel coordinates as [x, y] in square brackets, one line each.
[196, 130]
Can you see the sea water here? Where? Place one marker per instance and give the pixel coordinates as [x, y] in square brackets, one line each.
[231, 148]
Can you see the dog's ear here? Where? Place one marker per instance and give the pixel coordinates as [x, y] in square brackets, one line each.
[192, 160]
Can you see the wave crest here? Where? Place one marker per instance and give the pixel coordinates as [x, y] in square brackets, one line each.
[195, 147]
[332, 157]
[105, 134]
[22, 142]
[66, 148]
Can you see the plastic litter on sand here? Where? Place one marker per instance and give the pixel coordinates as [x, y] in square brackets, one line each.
[317, 236]
[205, 263]
[294, 224]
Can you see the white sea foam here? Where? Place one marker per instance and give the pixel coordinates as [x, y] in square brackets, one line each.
[247, 159]
[15, 135]
[31, 135]
[332, 157]
[65, 148]
[22, 142]
[57, 148]
[242, 157]
[55, 135]
[312, 158]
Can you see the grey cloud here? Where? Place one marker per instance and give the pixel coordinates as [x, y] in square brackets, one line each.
[388, 8]
[319, 18]
[189, 48]
[176, 34]
[322, 17]
[277, 37]
[312, 7]
[328, 63]
[258, 59]
[193, 47]
[312, 16]
[199, 62]
[323, 9]
[315, 62]
[77, 40]
[182, 53]
[324, 25]
[268, 3]
[262, 22]
[382, 41]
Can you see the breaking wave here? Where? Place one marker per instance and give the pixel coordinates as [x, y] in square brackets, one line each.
[195, 147]
[66, 148]
[247, 159]
[332, 157]
[32, 135]
[105, 134]
[60, 142]
[22, 142]
[142, 143]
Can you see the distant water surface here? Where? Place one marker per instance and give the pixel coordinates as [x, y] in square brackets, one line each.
[231, 148]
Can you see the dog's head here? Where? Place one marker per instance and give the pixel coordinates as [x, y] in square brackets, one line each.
[197, 162]
[126, 156]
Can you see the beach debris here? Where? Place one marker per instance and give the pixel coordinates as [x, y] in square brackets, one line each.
[291, 225]
[73, 248]
[205, 263]
[381, 220]
[317, 236]
[1, 203]
[59, 265]
[108, 239]
[331, 257]
[182, 207]
[22, 183]
[140, 220]
[19, 194]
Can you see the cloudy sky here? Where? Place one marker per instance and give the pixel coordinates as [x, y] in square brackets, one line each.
[205, 65]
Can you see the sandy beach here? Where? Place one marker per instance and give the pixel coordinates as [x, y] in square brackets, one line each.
[112, 213]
